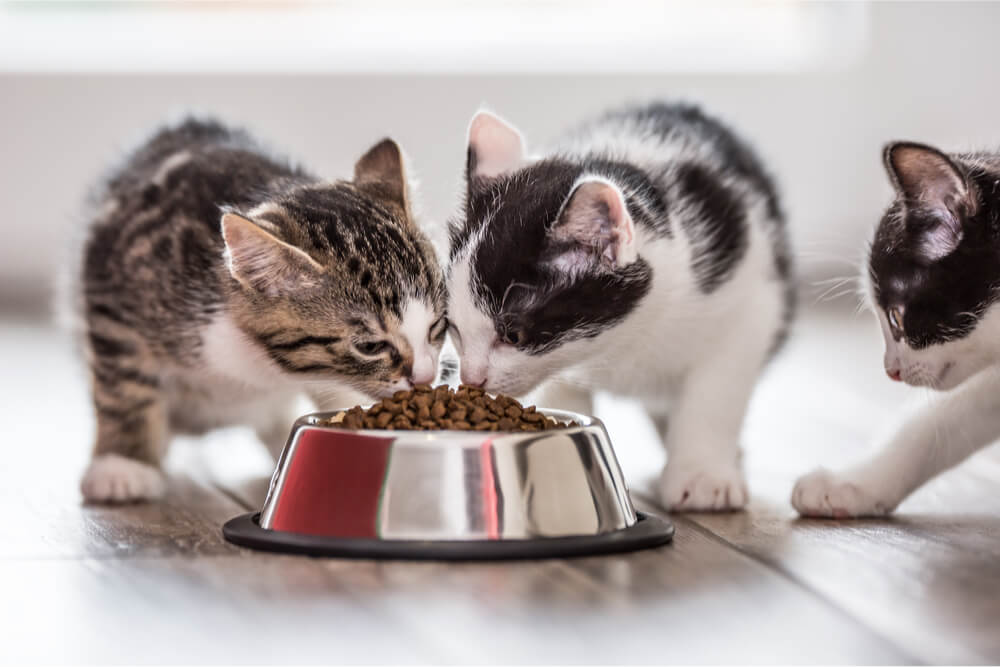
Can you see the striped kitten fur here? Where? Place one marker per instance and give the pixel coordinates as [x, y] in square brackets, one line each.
[218, 283]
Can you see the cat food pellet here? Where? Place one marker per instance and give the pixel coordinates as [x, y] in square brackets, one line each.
[426, 408]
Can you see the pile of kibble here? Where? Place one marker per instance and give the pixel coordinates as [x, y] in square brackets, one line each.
[424, 408]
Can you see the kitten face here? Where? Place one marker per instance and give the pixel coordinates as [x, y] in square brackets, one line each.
[542, 263]
[934, 267]
[337, 282]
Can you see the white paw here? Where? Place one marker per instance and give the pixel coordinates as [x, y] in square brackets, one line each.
[111, 478]
[821, 493]
[699, 487]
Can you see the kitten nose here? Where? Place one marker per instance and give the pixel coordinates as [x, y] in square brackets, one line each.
[421, 378]
[474, 379]
[894, 373]
[423, 370]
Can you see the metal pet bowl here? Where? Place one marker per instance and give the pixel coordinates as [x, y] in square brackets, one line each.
[451, 495]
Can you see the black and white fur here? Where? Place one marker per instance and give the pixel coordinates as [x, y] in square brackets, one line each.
[644, 254]
[933, 276]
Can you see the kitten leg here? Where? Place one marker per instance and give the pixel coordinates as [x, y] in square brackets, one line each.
[132, 435]
[936, 438]
[564, 396]
[703, 470]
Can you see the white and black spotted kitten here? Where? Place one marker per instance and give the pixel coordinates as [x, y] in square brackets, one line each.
[218, 283]
[933, 278]
[645, 254]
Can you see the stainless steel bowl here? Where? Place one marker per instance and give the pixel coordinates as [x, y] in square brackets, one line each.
[448, 494]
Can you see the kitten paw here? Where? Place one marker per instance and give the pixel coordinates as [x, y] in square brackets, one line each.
[700, 488]
[111, 478]
[821, 493]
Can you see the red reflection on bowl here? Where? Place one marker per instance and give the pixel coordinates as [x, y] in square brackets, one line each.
[491, 518]
[333, 484]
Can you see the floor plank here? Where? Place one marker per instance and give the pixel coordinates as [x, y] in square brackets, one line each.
[927, 579]
[696, 601]
[929, 583]
[230, 609]
[670, 604]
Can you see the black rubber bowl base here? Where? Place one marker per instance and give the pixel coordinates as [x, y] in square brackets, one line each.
[649, 531]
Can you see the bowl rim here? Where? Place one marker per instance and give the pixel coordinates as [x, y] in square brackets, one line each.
[581, 422]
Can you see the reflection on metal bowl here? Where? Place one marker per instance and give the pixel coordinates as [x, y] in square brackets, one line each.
[448, 494]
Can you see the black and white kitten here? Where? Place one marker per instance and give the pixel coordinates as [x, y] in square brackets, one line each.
[644, 254]
[218, 283]
[933, 277]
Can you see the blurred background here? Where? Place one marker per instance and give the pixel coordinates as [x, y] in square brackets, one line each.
[817, 87]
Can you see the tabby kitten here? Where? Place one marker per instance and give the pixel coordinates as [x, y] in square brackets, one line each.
[933, 274]
[645, 254]
[218, 283]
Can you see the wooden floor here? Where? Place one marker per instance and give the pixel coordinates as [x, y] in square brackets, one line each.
[156, 583]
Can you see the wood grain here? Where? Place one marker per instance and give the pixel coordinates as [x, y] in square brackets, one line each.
[927, 579]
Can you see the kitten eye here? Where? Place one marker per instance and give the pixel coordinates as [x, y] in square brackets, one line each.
[512, 338]
[371, 347]
[895, 316]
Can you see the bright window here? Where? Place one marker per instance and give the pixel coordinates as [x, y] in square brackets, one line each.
[516, 36]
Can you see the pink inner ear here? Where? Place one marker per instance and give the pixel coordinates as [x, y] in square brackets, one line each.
[596, 218]
[926, 175]
[260, 261]
[498, 147]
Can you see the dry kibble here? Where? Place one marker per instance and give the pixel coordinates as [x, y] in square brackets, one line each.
[426, 408]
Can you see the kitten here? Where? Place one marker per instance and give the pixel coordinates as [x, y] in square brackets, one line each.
[933, 270]
[646, 254]
[218, 283]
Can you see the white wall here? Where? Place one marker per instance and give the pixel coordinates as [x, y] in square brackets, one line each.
[930, 73]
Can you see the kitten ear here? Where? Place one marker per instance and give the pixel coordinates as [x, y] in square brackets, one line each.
[927, 179]
[495, 147]
[383, 169]
[594, 228]
[262, 262]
